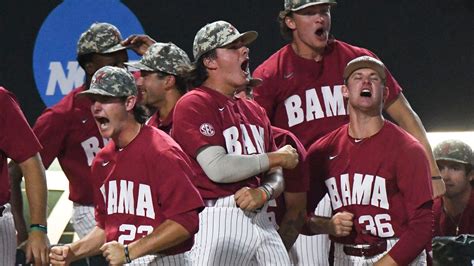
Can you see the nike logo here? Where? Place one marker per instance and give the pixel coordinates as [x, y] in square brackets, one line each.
[358, 140]
[84, 121]
[221, 109]
[105, 163]
[332, 157]
[287, 76]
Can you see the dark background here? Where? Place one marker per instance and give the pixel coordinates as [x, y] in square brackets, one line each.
[426, 44]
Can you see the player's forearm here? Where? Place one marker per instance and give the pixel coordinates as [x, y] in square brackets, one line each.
[16, 201]
[274, 180]
[88, 245]
[221, 167]
[293, 219]
[36, 189]
[413, 241]
[318, 225]
[166, 235]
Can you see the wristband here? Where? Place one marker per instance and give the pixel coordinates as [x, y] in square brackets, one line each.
[127, 254]
[39, 227]
[270, 191]
[436, 177]
[267, 193]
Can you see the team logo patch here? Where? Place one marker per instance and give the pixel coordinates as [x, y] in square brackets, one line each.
[207, 130]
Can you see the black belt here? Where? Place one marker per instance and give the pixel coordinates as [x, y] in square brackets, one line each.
[2, 208]
[369, 251]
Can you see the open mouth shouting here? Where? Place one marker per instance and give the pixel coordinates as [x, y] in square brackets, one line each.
[245, 67]
[366, 93]
[102, 122]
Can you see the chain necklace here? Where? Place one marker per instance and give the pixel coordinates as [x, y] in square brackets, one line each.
[453, 220]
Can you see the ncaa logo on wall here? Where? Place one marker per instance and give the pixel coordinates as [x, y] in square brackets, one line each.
[56, 70]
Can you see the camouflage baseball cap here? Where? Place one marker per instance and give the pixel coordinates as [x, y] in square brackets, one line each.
[218, 34]
[164, 57]
[295, 5]
[453, 150]
[364, 62]
[102, 38]
[112, 81]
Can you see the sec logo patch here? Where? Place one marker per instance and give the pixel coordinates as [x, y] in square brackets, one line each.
[207, 130]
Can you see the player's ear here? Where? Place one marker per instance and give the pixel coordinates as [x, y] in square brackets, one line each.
[385, 93]
[130, 102]
[345, 91]
[170, 81]
[290, 23]
[209, 63]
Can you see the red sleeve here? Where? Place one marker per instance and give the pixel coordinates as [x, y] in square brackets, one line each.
[317, 187]
[415, 239]
[189, 220]
[51, 131]
[17, 140]
[175, 187]
[195, 125]
[265, 94]
[414, 182]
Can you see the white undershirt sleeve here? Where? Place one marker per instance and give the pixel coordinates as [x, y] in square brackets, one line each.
[222, 167]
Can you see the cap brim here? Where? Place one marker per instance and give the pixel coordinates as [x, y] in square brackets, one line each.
[247, 38]
[313, 4]
[92, 92]
[115, 48]
[140, 66]
[452, 160]
[364, 64]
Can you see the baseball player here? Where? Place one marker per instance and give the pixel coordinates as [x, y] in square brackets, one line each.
[287, 212]
[454, 212]
[67, 130]
[302, 82]
[146, 205]
[18, 142]
[162, 81]
[375, 171]
[230, 142]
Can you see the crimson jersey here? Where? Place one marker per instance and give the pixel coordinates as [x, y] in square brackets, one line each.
[204, 117]
[382, 180]
[305, 96]
[297, 179]
[17, 140]
[164, 125]
[143, 184]
[68, 132]
[446, 226]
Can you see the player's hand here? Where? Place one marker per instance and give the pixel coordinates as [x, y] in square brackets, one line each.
[341, 224]
[138, 43]
[249, 199]
[60, 255]
[114, 253]
[286, 157]
[37, 248]
[386, 260]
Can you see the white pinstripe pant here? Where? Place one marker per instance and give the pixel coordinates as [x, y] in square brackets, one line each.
[83, 219]
[183, 259]
[313, 250]
[229, 236]
[341, 259]
[7, 237]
